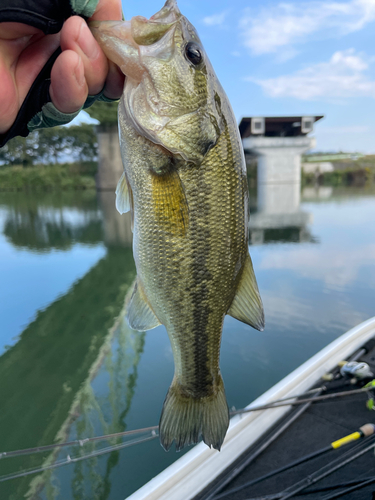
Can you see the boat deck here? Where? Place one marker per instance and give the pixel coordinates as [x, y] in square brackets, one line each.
[309, 428]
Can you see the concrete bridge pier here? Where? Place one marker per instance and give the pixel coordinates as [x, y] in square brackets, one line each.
[110, 164]
[279, 171]
[279, 187]
[117, 227]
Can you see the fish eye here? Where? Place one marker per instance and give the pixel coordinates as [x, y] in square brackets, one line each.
[193, 53]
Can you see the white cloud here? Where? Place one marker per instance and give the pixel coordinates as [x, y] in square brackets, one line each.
[215, 19]
[342, 76]
[287, 24]
[333, 269]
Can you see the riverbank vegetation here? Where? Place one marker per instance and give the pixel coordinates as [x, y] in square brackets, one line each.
[346, 172]
[48, 177]
[58, 158]
[37, 162]
[51, 146]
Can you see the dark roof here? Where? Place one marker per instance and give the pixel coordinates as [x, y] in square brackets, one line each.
[276, 125]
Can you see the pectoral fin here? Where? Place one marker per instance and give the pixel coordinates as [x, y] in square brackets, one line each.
[247, 305]
[123, 195]
[170, 203]
[140, 315]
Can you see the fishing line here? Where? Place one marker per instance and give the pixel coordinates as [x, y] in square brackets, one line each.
[69, 459]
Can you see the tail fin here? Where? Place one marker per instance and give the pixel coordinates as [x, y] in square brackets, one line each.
[185, 418]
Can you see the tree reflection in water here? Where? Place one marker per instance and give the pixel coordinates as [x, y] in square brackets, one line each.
[52, 220]
[72, 373]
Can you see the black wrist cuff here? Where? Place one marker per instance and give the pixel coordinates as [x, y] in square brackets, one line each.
[37, 96]
[46, 15]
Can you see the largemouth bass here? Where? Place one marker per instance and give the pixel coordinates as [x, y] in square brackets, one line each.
[185, 183]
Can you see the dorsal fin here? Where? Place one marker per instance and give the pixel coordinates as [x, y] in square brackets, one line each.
[140, 315]
[247, 305]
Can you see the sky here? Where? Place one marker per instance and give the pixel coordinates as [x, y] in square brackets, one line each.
[299, 58]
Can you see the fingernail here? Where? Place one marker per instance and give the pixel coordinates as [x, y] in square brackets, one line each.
[87, 42]
[80, 74]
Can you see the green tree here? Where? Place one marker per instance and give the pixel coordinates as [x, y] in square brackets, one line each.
[84, 144]
[79, 142]
[20, 151]
[51, 145]
[104, 112]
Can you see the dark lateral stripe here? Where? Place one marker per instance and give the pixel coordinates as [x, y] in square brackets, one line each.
[201, 310]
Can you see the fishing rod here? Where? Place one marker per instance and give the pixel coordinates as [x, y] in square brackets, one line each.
[287, 401]
[80, 442]
[348, 457]
[276, 404]
[364, 431]
[355, 487]
[340, 462]
[69, 459]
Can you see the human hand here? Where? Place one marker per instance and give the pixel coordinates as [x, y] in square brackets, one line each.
[80, 70]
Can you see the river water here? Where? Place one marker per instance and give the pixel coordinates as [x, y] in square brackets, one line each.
[71, 369]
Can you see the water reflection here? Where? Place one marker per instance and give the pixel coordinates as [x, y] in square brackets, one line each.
[116, 226]
[76, 371]
[46, 222]
[94, 413]
[317, 192]
[71, 346]
[57, 352]
[278, 216]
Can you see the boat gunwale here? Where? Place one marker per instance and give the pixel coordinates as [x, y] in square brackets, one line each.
[193, 472]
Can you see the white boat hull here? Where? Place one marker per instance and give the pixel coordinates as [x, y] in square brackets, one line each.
[189, 475]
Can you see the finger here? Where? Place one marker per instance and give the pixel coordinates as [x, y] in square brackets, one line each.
[77, 37]
[8, 99]
[68, 88]
[11, 31]
[114, 83]
[111, 10]
[21, 59]
[31, 62]
[108, 10]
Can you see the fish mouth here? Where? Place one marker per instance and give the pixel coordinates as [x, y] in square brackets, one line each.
[124, 42]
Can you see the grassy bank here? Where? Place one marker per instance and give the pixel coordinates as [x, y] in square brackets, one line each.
[346, 172]
[350, 176]
[48, 177]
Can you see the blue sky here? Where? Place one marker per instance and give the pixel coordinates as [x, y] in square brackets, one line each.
[295, 58]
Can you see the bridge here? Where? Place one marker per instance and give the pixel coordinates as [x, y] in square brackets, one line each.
[278, 143]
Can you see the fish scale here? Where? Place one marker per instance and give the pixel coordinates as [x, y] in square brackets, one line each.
[185, 182]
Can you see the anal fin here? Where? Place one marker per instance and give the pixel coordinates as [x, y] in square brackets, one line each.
[247, 305]
[140, 315]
